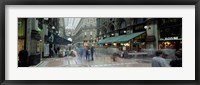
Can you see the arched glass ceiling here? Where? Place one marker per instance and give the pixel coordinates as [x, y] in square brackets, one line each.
[71, 23]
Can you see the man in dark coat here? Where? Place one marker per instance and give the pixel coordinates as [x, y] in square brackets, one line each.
[87, 53]
[178, 61]
[92, 51]
[23, 58]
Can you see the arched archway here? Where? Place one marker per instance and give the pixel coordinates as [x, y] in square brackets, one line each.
[123, 24]
[111, 27]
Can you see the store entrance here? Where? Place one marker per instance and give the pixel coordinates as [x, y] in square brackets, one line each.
[173, 44]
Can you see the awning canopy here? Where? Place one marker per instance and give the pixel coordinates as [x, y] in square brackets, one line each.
[130, 36]
[114, 39]
[103, 41]
[55, 39]
[120, 39]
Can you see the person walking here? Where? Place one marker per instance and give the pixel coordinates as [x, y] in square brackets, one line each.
[159, 60]
[87, 53]
[55, 51]
[92, 52]
[177, 62]
[58, 51]
[81, 52]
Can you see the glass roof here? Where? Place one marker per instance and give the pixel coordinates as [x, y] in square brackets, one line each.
[71, 23]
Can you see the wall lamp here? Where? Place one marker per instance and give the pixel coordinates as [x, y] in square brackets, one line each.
[147, 27]
[53, 27]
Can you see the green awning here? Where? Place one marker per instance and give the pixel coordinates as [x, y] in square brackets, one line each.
[103, 41]
[130, 36]
[114, 39]
[120, 39]
[110, 39]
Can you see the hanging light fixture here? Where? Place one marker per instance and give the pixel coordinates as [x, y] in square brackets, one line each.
[53, 27]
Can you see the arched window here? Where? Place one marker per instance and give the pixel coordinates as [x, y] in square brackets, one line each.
[112, 28]
[123, 24]
[104, 31]
[132, 21]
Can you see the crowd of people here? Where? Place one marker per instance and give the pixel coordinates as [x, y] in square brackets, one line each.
[160, 59]
[87, 52]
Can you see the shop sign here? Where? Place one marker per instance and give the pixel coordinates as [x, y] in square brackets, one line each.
[150, 39]
[171, 38]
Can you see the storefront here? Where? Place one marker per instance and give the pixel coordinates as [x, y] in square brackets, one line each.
[138, 43]
[170, 44]
[21, 34]
[170, 33]
[129, 42]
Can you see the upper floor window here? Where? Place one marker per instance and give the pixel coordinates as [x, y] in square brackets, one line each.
[91, 33]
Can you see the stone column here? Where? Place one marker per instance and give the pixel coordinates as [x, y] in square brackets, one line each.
[152, 30]
[42, 34]
[30, 25]
[156, 33]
